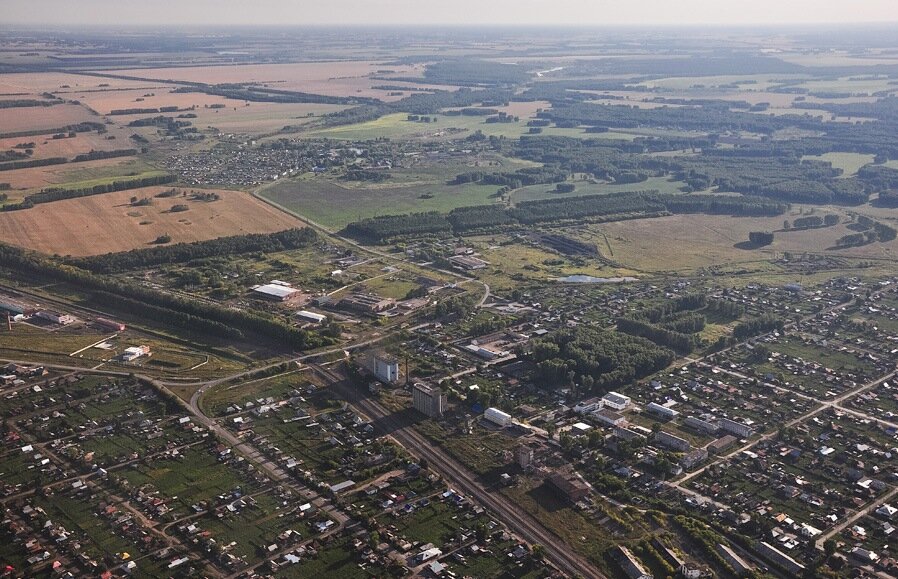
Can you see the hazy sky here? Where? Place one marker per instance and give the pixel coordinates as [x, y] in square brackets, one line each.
[582, 12]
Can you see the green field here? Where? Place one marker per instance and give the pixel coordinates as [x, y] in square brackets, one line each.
[533, 192]
[334, 205]
[397, 125]
[848, 162]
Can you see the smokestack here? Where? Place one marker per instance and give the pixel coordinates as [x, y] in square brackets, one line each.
[406, 369]
[8, 322]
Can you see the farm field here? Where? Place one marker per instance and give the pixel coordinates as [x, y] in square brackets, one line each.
[848, 162]
[335, 205]
[68, 84]
[107, 223]
[45, 146]
[534, 192]
[35, 178]
[19, 119]
[685, 242]
[338, 78]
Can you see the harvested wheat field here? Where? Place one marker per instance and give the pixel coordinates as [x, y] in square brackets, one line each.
[344, 78]
[18, 119]
[108, 223]
[44, 146]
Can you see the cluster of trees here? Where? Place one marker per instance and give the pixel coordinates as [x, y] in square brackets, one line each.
[874, 231]
[29, 163]
[689, 302]
[77, 128]
[263, 326]
[24, 163]
[21, 103]
[474, 72]
[366, 175]
[678, 341]
[185, 252]
[144, 111]
[379, 229]
[96, 155]
[756, 326]
[515, 180]
[596, 358]
[726, 308]
[466, 219]
[760, 238]
[812, 221]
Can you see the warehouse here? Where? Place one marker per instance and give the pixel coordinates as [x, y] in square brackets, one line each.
[278, 291]
[497, 417]
[56, 317]
[312, 317]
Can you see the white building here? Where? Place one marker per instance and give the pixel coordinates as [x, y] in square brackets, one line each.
[662, 411]
[276, 290]
[429, 400]
[135, 352]
[616, 401]
[737, 428]
[588, 405]
[496, 416]
[56, 317]
[386, 368]
[311, 317]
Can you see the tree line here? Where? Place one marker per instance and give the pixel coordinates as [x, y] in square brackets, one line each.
[58, 194]
[618, 206]
[185, 252]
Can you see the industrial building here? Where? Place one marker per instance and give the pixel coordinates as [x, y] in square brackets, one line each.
[429, 400]
[571, 486]
[366, 303]
[312, 317]
[279, 291]
[135, 352]
[56, 317]
[497, 417]
[15, 307]
[468, 262]
[386, 368]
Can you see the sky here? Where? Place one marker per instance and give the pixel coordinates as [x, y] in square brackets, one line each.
[445, 12]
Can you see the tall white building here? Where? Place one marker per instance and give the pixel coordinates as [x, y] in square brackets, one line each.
[386, 368]
[429, 400]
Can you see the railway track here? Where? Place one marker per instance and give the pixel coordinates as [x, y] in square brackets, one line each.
[521, 522]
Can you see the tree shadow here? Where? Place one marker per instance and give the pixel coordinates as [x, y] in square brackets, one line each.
[748, 245]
